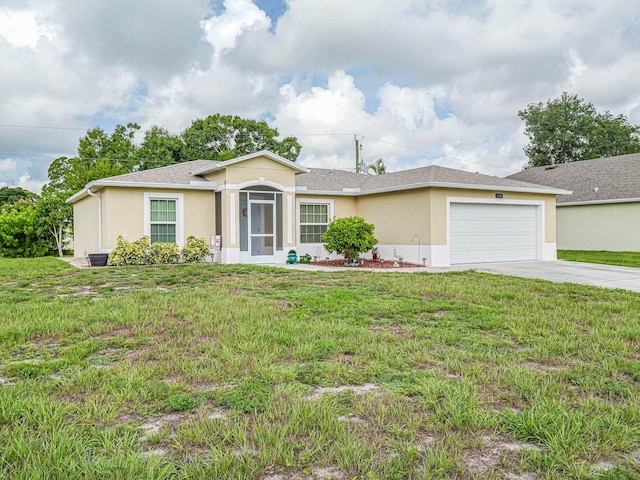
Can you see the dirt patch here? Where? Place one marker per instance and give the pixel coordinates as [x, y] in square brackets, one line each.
[352, 419]
[155, 426]
[358, 390]
[158, 452]
[394, 330]
[79, 291]
[492, 453]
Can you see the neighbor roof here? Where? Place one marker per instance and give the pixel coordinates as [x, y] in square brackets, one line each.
[334, 181]
[592, 181]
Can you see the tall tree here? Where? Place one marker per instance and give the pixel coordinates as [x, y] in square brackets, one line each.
[99, 155]
[54, 218]
[158, 149]
[568, 129]
[222, 137]
[9, 195]
[378, 167]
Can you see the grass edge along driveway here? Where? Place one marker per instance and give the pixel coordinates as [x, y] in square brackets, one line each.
[623, 259]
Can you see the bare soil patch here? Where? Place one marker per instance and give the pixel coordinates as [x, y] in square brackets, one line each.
[358, 390]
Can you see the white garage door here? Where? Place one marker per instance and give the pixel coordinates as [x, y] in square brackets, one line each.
[492, 233]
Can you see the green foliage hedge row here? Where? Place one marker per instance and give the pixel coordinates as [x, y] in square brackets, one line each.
[143, 252]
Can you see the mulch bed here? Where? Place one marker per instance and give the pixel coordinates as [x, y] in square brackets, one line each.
[388, 264]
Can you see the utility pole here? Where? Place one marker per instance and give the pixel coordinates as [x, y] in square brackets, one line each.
[355, 137]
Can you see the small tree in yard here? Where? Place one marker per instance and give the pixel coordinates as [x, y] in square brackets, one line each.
[349, 236]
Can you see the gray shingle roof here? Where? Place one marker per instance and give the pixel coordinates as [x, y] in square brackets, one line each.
[335, 180]
[609, 178]
[322, 179]
[179, 174]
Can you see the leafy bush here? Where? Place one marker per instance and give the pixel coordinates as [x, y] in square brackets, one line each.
[20, 235]
[161, 252]
[349, 236]
[306, 258]
[130, 253]
[195, 250]
[181, 402]
[250, 396]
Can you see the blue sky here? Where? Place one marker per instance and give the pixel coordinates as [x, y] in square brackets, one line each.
[432, 82]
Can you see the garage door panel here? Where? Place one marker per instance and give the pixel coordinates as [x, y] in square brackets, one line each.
[492, 233]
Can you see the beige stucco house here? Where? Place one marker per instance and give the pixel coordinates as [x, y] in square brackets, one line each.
[262, 205]
[603, 212]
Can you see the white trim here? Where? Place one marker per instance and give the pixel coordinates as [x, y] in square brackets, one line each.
[230, 255]
[179, 197]
[540, 217]
[549, 252]
[289, 219]
[261, 153]
[169, 186]
[232, 218]
[464, 186]
[598, 202]
[255, 183]
[305, 200]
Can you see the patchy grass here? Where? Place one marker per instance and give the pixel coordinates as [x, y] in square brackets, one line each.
[209, 371]
[625, 259]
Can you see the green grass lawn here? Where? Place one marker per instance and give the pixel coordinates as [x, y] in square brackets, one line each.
[235, 372]
[625, 259]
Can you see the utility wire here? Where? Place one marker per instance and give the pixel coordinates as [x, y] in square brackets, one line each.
[240, 135]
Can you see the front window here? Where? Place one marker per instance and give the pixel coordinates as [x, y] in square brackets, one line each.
[314, 218]
[163, 220]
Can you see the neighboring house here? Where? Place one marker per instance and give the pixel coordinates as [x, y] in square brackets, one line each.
[603, 212]
[262, 205]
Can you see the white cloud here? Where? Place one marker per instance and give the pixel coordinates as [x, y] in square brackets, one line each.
[445, 78]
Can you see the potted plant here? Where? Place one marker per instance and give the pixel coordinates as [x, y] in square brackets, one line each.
[98, 259]
[292, 257]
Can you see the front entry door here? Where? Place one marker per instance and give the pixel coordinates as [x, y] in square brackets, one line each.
[262, 232]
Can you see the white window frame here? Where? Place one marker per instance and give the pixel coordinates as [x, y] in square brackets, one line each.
[312, 201]
[179, 198]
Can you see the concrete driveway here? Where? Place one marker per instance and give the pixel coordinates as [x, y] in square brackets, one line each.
[607, 276]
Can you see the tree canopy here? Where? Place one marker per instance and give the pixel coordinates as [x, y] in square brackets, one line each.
[100, 155]
[222, 137]
[217, 137]
[569, 129]
[10, 195]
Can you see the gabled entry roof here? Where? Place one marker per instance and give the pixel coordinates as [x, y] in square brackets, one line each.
[261, 153]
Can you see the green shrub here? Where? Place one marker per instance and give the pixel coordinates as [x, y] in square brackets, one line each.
[130, 253]
[181, 402]
[250, 396]
[349, 236]
[161, 252]
[195, 250]
[41, 368]
[19, 232]
[306, 258]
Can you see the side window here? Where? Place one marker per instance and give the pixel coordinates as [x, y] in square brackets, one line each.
[163, 219]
